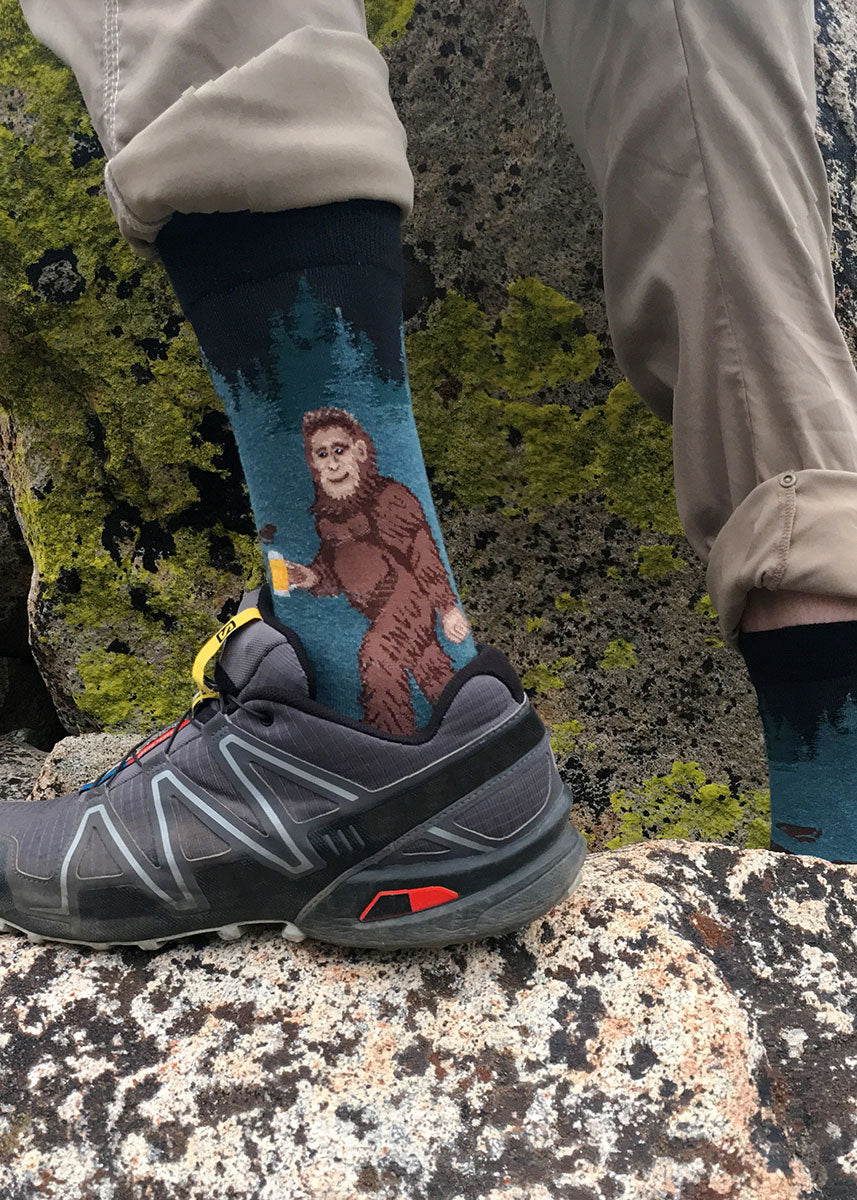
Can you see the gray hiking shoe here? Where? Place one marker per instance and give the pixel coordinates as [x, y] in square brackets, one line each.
[261, 806]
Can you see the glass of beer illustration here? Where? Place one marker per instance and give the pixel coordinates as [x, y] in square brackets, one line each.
[279, 573]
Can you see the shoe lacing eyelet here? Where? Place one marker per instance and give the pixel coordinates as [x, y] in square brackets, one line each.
[266, 717]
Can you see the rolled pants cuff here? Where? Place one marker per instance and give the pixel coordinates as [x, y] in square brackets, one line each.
[207, 106]
[309, 121]
[795, 532]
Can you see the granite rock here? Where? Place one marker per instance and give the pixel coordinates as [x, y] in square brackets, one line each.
[684, 1026]
[75, 761]
[20, 764]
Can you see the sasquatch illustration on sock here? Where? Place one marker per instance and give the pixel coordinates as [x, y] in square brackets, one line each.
[299, 318]
[377, 550]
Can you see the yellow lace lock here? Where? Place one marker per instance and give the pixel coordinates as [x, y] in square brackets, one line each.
[212, 648]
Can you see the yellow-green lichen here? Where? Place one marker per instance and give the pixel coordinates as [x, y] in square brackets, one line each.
[540, 340]
[684, 805]
[620, 655]
[657, 561]
[534, 624]
[490, 439]
[567, 604]
[541, 678]
[386, 20]
[544, 677]
[704, 608]
[565, 736]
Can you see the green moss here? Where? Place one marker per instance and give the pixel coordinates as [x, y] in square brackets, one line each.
[386, 20]
[635, 461]
[541, 678]
[545, 677]
[565, 736]
[684, 805]
[619, 656]
[704, 608]
[614, 573]
[451, 364]
[542, 341]
[567, 604]
[534, 624]
[658, 561]
[488, 440]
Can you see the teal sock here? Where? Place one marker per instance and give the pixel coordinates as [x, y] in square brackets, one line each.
[806, 681]
[298, 315]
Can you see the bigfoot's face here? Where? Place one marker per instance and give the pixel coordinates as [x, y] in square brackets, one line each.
[337, 459]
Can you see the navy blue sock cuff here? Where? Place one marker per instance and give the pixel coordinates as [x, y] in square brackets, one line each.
[801, 653]
[207, 254]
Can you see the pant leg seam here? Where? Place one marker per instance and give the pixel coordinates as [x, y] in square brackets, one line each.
[786, 506]
[715, 238]
[111, 71]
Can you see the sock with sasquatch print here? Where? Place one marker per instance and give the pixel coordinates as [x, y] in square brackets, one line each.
[299, 318]
[805, 678]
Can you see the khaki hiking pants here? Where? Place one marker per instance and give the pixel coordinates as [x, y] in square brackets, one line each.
[695, 119]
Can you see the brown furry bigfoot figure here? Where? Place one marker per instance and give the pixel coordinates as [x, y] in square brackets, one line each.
[378, 551]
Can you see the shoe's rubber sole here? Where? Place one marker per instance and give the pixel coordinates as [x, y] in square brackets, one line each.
[513, 901]
[494, 894]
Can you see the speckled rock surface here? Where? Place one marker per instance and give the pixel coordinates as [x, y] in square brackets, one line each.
[135, 513]
[75, 761]
[20, 764]
[683, 1027]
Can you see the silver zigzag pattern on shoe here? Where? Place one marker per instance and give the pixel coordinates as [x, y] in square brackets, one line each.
[236, 754]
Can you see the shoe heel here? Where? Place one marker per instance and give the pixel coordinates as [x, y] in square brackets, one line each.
[397, 906]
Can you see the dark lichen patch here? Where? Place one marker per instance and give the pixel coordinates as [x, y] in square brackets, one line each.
[55, 277]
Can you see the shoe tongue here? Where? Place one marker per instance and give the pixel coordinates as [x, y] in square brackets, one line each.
[262, 662]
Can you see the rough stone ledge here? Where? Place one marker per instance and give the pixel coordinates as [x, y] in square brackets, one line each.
[682, 1027]
[76, 760]
[20, 763]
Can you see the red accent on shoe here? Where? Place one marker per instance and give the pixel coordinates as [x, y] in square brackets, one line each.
[156, 741]
[420, 898]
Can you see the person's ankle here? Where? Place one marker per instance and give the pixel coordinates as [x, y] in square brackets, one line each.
[779, 610]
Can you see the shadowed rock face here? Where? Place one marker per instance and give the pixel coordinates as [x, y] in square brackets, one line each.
[20, 763]
[682, 1027]
[25, 705]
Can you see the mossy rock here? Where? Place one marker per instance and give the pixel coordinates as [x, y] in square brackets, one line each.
[122, 467]
[553, 481]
